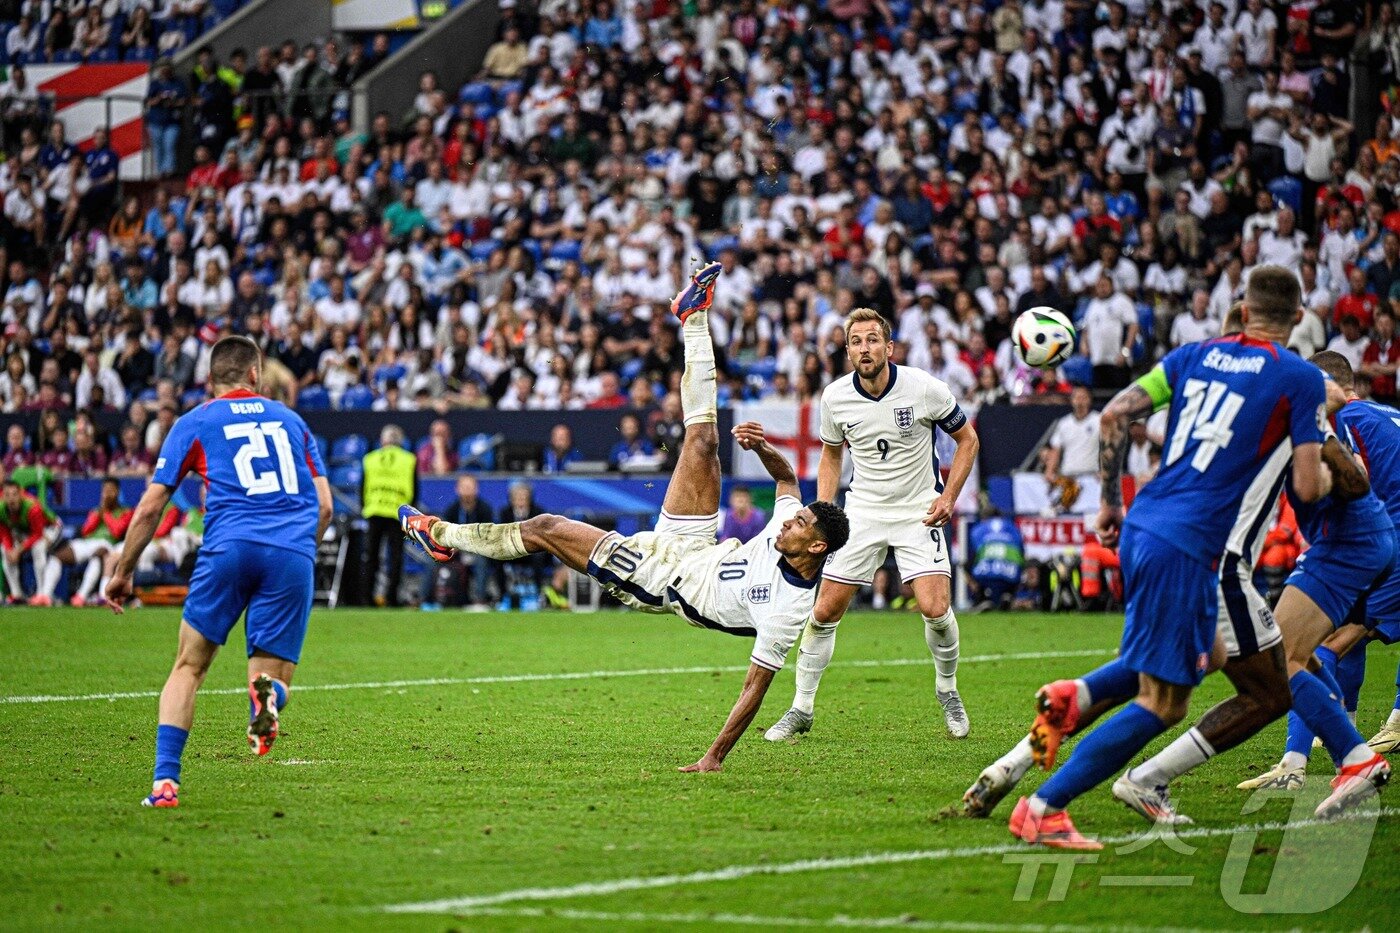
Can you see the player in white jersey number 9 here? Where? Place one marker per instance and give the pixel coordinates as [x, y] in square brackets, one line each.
[886, 415]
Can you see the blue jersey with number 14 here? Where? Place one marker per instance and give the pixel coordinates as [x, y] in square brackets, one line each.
[258, 460]
[1233, 401]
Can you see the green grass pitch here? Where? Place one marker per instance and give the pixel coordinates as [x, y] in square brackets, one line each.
[522, 768]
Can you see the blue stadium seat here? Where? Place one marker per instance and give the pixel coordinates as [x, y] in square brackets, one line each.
[477, 92]
[476, 453]
[631, 369]
[533, 248]
[1078, 369]
[720, 245]
[482, 251]
[1287, 190]
[147, 395]
[66, 57]
[357, 398]
[311, 398]
[349, 449]
[347, 476]
[145, 54]
[506, 87]
[192, 397]
[323, 446]
[566, 251]
[386, 374]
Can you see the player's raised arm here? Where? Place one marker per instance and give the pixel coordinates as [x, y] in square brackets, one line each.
[750, 437]
[756, 684]
[829, 471]
[138, 534]
[1136, 401]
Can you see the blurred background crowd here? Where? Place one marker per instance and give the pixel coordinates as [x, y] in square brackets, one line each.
[513, 243]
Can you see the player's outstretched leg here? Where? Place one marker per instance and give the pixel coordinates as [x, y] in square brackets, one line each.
[192, 659]
[692, 496]
[1081, 702]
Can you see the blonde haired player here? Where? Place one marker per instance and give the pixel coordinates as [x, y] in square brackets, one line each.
[886, 415]
[763, 589]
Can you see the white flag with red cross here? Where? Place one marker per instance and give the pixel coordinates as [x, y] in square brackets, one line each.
[790, 427]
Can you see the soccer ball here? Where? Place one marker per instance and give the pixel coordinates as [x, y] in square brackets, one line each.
[1044, 337]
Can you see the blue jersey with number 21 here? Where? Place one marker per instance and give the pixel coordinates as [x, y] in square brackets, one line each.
[258, 460]
[1233, 401]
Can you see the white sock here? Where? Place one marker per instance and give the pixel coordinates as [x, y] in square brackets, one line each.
[39, 554]
[698, 390]
[498, 542]
[942, 637]
[813, 655]
[1188, 750]
[1082, 694]
[1017, 761]
[12, 578]
[1039, 807]
[48, 582]
[90, 577]
[1358, 755]
[1393, 722]
[1294, 760]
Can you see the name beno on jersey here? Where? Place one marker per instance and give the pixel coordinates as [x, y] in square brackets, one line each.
[247, 408]
[891, 437]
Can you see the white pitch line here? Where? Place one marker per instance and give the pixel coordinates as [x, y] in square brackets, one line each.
[535, 678]
[840, 921]
[735, 872]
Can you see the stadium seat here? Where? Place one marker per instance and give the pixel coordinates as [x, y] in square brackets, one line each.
[1078, 369]
[566, 251]
[349, 449]
[476, 92]
[322, 445]
[506, 88]
[533, 248]
[311, 398]
[147, 395]
[1287, 190]
[630, 369]
[357, 398]
[141, 55]
[720, 245]
[192, 397]
[482, 251]
[347, 476]
[387, 374]
[477, 452]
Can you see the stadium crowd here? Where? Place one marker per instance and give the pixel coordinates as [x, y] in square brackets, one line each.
[513, 243]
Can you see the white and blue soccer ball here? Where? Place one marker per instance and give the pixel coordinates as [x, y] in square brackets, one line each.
[1043, 337]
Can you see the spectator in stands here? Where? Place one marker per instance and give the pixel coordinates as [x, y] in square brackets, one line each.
[94, 373]
[165, 102]
[131, 459]
[1107, 334]
[469, 507]
[561, 450]
[436, 455]
[633, 450]
[1380, 360]
[23, 40]
[1073, 449]
[19, 102]
[741, 519]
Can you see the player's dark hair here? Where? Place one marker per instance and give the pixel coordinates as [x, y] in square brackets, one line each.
[1336, 366]
[1273, 295]
[231, 359]
[832, 523]
[8, 483]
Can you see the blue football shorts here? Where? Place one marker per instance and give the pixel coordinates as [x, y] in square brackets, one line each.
[1171, 609]
[1336, 573]
[272, 584]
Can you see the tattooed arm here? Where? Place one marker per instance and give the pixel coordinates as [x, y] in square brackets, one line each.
[1127, 406]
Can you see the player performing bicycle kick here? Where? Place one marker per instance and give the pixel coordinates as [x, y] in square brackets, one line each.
[764, 590]
[886, 415]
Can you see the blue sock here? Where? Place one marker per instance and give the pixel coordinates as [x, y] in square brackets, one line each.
[1101, 754]
[1112, 681]
[1300, 737]
[170, 746]
[1323, 713]
[1351, 672]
